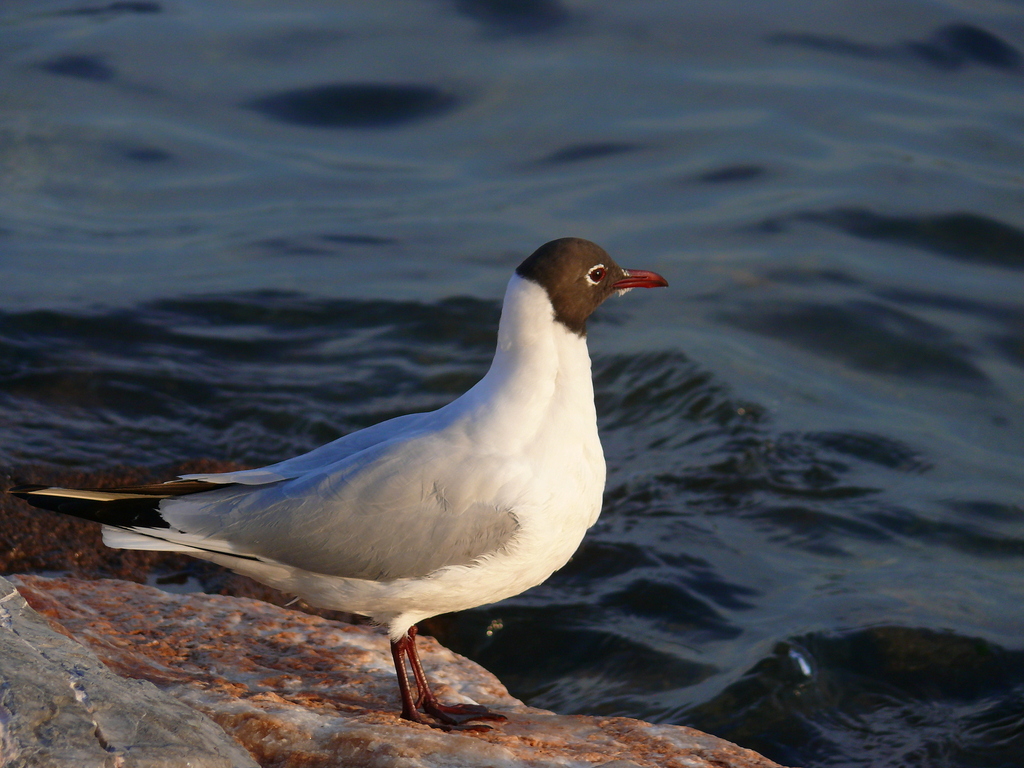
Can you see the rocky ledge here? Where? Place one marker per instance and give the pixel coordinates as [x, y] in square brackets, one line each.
[288, 689]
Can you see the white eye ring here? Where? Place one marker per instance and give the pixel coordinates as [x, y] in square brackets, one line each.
[599, 278]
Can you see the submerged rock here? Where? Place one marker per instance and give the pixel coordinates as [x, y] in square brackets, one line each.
[301, 690]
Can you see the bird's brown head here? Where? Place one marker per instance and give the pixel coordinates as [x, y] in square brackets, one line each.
[578, 276]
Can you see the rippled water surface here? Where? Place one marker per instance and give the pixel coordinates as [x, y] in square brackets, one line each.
[239, 230]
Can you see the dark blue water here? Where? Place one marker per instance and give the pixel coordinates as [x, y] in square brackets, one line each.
[240, 230]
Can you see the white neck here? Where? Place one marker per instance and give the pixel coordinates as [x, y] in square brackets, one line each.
[538, 364]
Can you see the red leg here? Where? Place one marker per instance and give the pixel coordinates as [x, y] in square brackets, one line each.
[409, 712]
[452, 714]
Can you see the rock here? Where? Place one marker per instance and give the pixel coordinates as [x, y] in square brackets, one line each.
[301, 690]
[60, 707]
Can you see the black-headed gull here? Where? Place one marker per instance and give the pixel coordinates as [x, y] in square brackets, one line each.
[424, 514]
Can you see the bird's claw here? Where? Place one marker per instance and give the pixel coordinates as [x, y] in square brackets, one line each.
[443, 719]
[459, 714]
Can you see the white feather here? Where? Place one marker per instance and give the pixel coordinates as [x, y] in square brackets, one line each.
[463, 506]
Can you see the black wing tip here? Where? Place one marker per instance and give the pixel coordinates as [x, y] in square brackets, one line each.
[139, 509]
[162, 490]
[130, 512]
[21, 491]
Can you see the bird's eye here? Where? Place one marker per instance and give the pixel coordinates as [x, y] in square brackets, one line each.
[596, 275]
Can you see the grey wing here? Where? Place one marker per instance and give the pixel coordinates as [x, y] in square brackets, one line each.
[325, 455]
[393, 511]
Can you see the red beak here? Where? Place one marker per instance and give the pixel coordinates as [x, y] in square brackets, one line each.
[640, 278]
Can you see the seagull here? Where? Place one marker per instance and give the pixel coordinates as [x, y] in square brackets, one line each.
[423, 514]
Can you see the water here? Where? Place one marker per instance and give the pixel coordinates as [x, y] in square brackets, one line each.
[241, 230]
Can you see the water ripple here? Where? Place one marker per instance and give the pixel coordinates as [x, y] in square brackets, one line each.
[356, 105]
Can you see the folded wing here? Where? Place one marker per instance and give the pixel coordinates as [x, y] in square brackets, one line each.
[399, 508]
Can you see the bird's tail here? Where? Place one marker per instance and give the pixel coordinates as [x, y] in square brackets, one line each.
[131, 506]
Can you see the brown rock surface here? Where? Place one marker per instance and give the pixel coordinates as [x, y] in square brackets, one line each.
[61, 708]
[301, 690]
